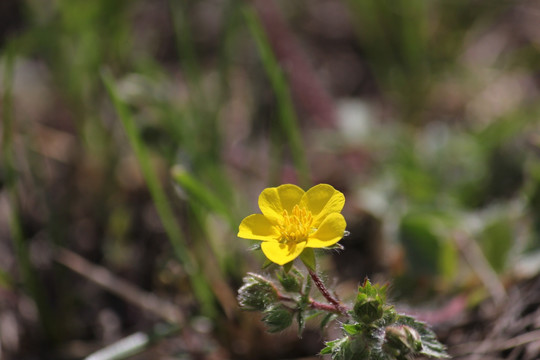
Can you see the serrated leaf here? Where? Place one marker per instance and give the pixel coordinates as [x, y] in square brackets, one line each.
[327, 350]
[352, 329]
[334, 347]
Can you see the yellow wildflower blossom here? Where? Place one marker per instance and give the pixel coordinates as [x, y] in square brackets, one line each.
[293, 219]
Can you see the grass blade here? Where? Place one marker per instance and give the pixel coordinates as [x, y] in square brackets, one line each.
[164, 208]
[287, 114]
[20, 243]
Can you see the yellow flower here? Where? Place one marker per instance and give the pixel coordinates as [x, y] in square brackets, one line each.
[293, 220]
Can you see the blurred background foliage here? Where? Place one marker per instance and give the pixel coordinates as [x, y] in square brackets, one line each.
[136, 134]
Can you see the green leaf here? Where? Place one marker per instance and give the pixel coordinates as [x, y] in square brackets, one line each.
[496, 242]
[352, 329]
[333, 347]
[308, 258]
[424, 238]
[325, 351]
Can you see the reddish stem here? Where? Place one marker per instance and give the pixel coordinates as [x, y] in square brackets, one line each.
[336, 304]
[313, 303]
[326, 307]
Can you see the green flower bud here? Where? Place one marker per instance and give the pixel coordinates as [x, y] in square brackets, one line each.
[401, 340]
[277, 318]
[347, 348]
[290, 282]
[368, 311]
[257, 293]
[369, 305]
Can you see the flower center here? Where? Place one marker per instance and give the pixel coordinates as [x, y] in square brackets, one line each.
[296, 226]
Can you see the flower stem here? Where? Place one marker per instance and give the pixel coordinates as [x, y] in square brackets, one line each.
[325, 307]
[312, 303]
[336, 304]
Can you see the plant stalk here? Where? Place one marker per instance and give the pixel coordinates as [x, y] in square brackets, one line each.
[335, 303]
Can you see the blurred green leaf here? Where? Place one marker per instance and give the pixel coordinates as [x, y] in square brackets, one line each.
[496, 241]
[197, 191]
[425, 238]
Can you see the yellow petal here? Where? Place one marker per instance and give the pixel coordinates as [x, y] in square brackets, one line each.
[329, 232]
[282, 253]
[257, 227]
[322, 200]
[274, 200]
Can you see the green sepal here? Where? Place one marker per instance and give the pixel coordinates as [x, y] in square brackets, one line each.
[308, 258]
[266, 264]
[287, 267]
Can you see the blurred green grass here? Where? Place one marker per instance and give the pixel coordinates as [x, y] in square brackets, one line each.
[139, 133]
